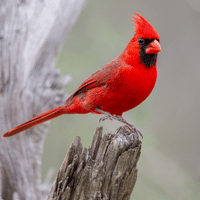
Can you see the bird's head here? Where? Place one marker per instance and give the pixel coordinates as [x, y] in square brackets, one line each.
[147, 39]
[145, 44]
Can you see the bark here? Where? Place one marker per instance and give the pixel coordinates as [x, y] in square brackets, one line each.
[31, 36]
[107, 170]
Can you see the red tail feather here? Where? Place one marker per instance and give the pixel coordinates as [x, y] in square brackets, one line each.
[43, 117]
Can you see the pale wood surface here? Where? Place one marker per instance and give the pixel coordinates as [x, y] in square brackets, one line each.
[31, 36]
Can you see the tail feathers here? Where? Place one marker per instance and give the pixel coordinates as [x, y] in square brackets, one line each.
[39, 119]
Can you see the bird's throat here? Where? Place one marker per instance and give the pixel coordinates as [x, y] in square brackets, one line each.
[148, 59]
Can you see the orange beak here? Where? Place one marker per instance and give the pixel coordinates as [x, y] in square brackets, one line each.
[153, 48]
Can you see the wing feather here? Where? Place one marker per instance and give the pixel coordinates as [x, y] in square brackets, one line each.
[99, 78]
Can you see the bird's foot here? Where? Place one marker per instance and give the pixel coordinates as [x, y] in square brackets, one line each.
[131, 126]
[107, 116]
[120, 119]
[136, 130]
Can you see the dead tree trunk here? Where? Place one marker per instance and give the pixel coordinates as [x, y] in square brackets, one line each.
[107, 170]
[31, 36]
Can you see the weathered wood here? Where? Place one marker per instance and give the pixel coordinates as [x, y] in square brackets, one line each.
[31, 36]
[107, 170]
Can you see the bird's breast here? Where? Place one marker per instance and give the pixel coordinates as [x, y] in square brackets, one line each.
[130, 88]
[139, 83]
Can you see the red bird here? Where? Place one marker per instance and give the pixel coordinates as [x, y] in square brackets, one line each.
[119, 86]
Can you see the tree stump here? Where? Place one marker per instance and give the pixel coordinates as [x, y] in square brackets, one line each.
[107, 170]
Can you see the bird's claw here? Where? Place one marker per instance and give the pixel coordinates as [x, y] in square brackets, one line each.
[107, 116]
[136, 130]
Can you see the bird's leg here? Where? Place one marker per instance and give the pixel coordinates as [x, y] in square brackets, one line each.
[121, 119]
[118, 118]
[107, 115]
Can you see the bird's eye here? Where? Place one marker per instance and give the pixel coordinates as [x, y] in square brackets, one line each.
[141, 40]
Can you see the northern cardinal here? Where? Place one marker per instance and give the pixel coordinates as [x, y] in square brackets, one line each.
[119, 86]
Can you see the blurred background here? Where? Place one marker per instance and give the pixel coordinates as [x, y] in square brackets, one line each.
[169, 166]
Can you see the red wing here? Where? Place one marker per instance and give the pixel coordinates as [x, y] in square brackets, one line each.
[99, 78]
